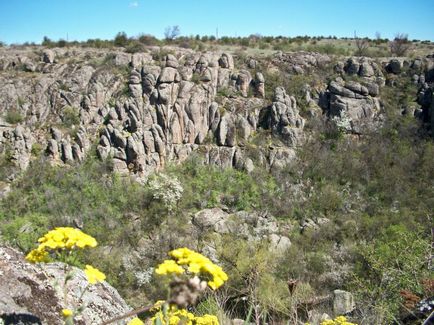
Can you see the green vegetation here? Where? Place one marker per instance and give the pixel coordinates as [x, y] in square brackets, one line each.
[375, 195]
[331, 45]
[13, 116]
[70, 116]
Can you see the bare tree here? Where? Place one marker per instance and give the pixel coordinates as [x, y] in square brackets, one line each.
[400, 44]
[171, 32]
[362, 45]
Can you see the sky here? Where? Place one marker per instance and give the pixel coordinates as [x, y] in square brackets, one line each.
[31, 20]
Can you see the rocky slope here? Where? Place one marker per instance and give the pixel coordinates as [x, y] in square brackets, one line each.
[140, 112]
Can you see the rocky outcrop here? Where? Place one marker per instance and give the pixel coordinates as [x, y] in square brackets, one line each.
[144, 109]
[353, 106]
[301, 62]
[37, 291]
[250, 226]
[283, 118]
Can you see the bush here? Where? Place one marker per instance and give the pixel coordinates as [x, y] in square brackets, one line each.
[70, 116]
[395, 262]
[147, 39]
[135, 47]
[210, 186]
[121, 39]
[13, 116]
[400, 45]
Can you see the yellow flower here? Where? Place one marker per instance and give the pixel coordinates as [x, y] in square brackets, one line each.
[37, 256]
[60, 238]
[66, 237]
[175, 316]
[67, 313]
[206, 320]
[94, 275]
[340, 320]
[157, 306]
[199, 264]
[135, 321]
[168, 267]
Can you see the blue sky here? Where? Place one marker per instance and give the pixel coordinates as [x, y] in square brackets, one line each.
[30, 20]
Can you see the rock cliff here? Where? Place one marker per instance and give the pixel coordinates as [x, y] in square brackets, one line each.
[146, 109]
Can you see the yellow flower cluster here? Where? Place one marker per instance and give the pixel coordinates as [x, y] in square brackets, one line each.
[38, 255]
[196, 263]
[135, 321]
[66, 237]
[340, 320]
[206, 320]
[182, 316]
[169, 267]
[93, 275]
[60, 238]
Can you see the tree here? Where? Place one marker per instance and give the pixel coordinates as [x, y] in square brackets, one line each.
[400, 44]
[121, 39]
[46, 41]
[362, 45]
[171, 32]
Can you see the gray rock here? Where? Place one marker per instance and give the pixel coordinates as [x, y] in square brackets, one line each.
[226, 61]
[48, 56]
[122, 59]
[168, 75]
[343, 302]
[284, 118]
[366, 70]
[259, 85]
[171, 61]
[243, 82]
[38, 290]
[394, 66]
[209, 218]
[67, 156]
[279, 243]
[352, 66]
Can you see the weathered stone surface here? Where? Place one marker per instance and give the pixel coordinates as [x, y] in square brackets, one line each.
[283, 118]
[243, 82]
[394, 66]
[38, 290]
[48, 56]
[190, 101]
[343, 302]
[352, 106]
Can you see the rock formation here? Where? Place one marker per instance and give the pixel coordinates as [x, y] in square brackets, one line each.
[36, 293]
[145, 109]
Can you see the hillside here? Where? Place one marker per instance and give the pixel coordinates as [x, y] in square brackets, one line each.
[302, 169]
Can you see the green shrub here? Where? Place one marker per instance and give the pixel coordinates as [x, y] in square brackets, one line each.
[135, 47]
[70, 116]
[396, 261]
[13, 116]
[36, 149]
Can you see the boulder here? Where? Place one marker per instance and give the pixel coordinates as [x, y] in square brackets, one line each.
[37, 291]
[243, 82]
[210, 219]
[394, 66]
[48, 56]
[343, 302]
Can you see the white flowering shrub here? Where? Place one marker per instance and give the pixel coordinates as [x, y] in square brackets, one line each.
[167, 189]
[343, 122]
